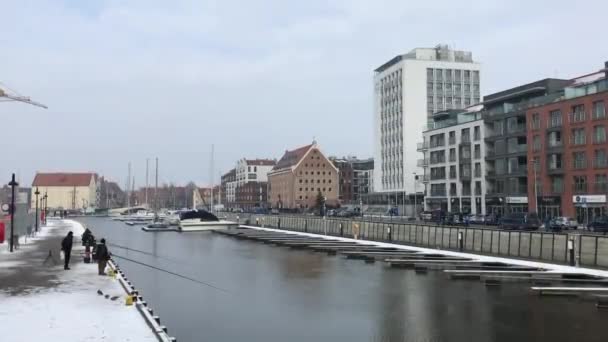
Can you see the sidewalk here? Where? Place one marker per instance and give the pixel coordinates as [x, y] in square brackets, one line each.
[45, 302]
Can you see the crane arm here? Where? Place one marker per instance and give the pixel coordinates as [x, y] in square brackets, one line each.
[23, 99]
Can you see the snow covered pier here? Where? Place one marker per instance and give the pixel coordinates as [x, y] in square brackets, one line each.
[39, 300]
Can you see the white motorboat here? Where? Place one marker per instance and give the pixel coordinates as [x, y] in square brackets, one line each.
[201, 220]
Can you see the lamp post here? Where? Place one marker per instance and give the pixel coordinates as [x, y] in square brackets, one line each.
[535, 186]
[415, 192]
[46, 206]
[37, 215]
[13, 184]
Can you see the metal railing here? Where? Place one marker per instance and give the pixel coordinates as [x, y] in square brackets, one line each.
[590, 250]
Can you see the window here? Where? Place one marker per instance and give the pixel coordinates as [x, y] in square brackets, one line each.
[601, 183]
[248, 168]
[599, 134]
[476, 133]
[477, 188]
[578, 136]
[466, 188]
[599, 111]
[323, 180]
[329, 181]
[536, 143]
[600, 159]
[452, 154]
[555, 161]
[555, 118]
[318, 172]
[318, 181]
[555, 139]
[578, 113]
[300, 181]
[437, 173]
[438, 189]
[452, 137]
[452, 189]
[452, 171]
[578, 160]
[477, 152]
[300, 189]
[580, 184]
[255, 169]
[535, 124]
[300, 197]
[465, 135]
[557, 185]
[477, 169]
[329, 189]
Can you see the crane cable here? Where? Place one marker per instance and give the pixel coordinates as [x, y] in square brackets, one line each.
[170, 272]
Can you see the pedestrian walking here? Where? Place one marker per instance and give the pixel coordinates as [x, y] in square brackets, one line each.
[66, 247]
[102, 256]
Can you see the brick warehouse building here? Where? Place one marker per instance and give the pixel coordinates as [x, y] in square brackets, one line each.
[567, 143]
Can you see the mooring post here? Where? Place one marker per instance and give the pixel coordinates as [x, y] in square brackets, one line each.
[571, 251]
[390, 233]
[460, 241]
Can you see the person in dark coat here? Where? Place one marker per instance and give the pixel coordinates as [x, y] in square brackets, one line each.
[66, 247]
[102, 255]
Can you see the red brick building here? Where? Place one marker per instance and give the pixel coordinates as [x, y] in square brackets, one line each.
[567, 143]
[252, 195]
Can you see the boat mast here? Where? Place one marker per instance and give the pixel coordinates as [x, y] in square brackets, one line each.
[147, 185]
[156, 188]
[128, 187]
[211, 175]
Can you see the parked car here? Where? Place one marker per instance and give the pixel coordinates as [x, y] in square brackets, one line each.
[564, 222]
[599, 224]
[457, 218]
[477, 219]
[492, 220]
[520, 221]
[274, 211]
[426, 215]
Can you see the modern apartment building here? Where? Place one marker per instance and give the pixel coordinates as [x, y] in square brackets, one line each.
[299, 176]
[453, 163]
[253, 170]
[408, 89]
[568, 146]
[507, 142]
[356, 178]
[228, 187]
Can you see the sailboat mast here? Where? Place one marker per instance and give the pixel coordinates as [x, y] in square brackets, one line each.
[147, 185]
[156, 187]
[129, 187]
[211, 175]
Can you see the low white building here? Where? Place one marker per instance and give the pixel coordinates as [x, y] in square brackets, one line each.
[253, 170]
[453, 161]
[66, 190]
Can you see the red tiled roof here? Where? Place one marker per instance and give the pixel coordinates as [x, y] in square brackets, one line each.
[261, 162]
[291, 158]
[63, 179]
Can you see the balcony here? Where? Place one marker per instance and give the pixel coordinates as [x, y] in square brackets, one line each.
[600, 188]
[438, 177]
[452, 140]
[579, 164]
[520, 128]
[422, 146]
[554, 123]
[466, 175]
[517, 148]
[466, 191]
[437, 161]
[465, 160]
[438, 193]
[477, 191]
[465, 140]
[555, 145]
[477, 173]
[452, 192]
[422, 162]
[426, 178]
[577, 117]
[600, 163]
[452, 175]
[555, 169]
[579, 188]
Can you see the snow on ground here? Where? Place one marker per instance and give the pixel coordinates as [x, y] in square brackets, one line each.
[73, 311]
[549, 267]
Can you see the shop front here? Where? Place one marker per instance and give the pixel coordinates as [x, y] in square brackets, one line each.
[588, 207]
[517, 204]
[495, 206]
[549, 207]
[437, 204]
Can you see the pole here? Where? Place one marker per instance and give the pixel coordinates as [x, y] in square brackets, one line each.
[37, 215]
[146, 191]
[535, 187]
[211, 175]
[13, 184]
[129, 187]
[156, 187]
[45, 201]
[415, 192]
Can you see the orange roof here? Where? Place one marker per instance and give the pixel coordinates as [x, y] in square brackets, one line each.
[293, 157]
[63, 179]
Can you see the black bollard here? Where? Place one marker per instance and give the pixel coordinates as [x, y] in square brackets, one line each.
[279, 223]
[306, 226]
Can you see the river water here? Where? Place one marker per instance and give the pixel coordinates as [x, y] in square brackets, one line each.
[269, 293]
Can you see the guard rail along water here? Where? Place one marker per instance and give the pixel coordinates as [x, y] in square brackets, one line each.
[573, 249]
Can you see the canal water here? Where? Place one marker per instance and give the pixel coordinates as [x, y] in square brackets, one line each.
[257, 292]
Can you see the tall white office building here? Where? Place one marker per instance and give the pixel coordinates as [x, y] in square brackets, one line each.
[408, 89]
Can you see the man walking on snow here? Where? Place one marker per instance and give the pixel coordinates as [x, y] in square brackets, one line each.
[66, 247]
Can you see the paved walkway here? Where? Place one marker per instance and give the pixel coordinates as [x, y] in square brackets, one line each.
[45, 302]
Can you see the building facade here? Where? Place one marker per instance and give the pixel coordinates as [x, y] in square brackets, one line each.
[356, 178]
[299, 176]
[507, 142]
[569, 151]
[67, 191]
[408, 89]
[453, 161]
[228, 185]
[253, 170]
[252, 195]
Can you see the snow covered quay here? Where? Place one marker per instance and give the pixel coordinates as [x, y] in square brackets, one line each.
[39, 300]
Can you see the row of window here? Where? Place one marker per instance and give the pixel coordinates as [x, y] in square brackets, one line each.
[313, 189]
[438, 140]
[440, 189]
[449, 74]
[312, 181]
[577, 114]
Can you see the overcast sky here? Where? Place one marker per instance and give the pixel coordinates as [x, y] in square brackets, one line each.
[130, 80]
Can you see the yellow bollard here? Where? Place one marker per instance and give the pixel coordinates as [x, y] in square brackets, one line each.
[111, 273]
[129, 300]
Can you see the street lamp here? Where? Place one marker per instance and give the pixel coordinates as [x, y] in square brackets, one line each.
[415, 192]
[13, 184]
[37, 215]
[46, 206]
